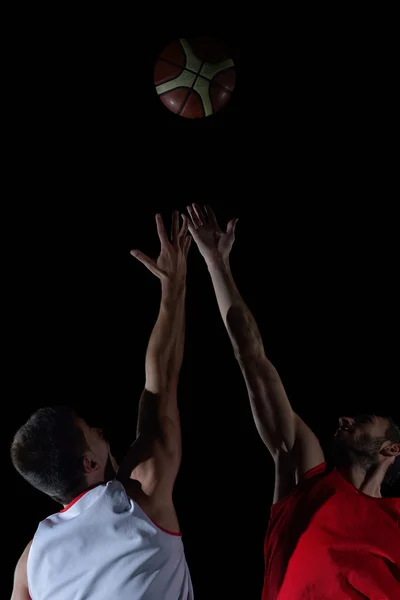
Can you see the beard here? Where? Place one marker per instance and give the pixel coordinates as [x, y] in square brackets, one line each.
[361, 451]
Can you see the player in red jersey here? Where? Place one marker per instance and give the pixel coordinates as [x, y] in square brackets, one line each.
[331, 534]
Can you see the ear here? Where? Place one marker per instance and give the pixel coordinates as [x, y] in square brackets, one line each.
[396, 449]
[392, 449]
[90, 463]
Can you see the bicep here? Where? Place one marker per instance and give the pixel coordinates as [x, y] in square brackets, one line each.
[158, 417]
[290, 466]
[306, 452]
[158, 471]
[154, 460]
[272, 411]
[278, 425]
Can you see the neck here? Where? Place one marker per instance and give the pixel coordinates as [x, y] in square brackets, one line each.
[366, 480]
[89, 487]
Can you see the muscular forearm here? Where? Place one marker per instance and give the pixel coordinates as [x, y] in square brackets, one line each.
[168, 412]
[162, 343]
[163, 363]
[178, 343]
[158, 429]
[271, 410]
[238, 320]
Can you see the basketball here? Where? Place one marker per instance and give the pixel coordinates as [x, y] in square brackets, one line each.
[195, 78]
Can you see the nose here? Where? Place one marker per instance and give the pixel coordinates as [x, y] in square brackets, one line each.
[346, 421]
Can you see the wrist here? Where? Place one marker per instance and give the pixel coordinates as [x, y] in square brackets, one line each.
[172, 290]
[218, 262]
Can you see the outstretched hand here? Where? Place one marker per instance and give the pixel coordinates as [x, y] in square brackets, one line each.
[212, 242]
[170, 266]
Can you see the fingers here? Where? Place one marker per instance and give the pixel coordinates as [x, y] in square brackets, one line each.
[162, 234]
[186, 244]
[211, 217]
[185, 240]
[193, 231]
[184, 228]
[199, 213]
[148, 262]
[175, 226]
[195, 216]
[230, 230]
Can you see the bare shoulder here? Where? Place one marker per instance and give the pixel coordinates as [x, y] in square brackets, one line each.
[291, 466]
[306, 452]
[134, 491]
[148, 473]
[20, 588]
[159, 509]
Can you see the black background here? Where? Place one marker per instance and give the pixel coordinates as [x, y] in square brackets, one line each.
[300, 156]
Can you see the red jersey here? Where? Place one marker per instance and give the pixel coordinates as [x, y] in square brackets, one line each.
[327, 540]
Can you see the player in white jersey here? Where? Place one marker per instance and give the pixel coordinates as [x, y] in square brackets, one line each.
[118, 536]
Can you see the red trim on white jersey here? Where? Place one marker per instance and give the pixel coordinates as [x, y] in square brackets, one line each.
[163, 528]
[179, 534]
[74, 500]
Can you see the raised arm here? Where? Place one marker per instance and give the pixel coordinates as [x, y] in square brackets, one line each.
[154, 458]
[280, 428]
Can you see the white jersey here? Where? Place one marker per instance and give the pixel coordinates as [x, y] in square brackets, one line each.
[104, 547]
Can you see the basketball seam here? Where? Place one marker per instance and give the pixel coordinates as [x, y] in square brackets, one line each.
[198, 74]
[170, 62]
[191, 89]
[181, 87]
[180, 66]
[198, 95]
[185, 101]
[218, 84]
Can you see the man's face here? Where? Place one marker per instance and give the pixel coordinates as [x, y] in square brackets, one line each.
[359, 440]
[100, 449]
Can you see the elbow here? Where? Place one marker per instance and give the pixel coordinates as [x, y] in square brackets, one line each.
[156, 376]
[246, 341]
[248, 355]
[252, 360]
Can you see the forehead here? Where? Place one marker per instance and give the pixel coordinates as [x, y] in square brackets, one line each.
[374, 419]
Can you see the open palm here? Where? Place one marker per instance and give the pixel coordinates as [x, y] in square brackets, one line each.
[171, 262]
[210, 239]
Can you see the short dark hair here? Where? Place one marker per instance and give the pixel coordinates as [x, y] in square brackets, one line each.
[392, 475]
[48, 452]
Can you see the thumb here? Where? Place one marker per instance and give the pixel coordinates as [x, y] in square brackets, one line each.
[230, 230]
[148, 262]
